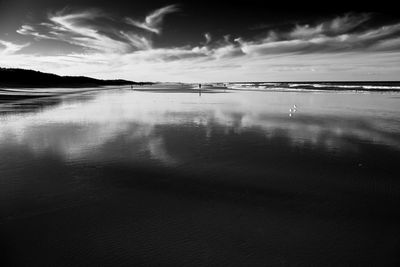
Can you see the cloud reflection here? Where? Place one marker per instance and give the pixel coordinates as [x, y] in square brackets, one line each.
[135, 126]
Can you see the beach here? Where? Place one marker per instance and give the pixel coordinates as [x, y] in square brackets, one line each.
[177, 176]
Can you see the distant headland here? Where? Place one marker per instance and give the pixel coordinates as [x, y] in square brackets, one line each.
[17, 78]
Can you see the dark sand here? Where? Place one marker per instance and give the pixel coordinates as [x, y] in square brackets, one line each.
[129, 178]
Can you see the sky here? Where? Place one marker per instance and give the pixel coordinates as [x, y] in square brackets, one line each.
[203, 41]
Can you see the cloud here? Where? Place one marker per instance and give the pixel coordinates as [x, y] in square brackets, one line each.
[140, 42]
[30, 30]
[333, 36]
[339, 34]
[112, 48]
[79, 29]
[208, 37]
[170, 54]
[7, 48]
[336, 26]
[228, 51]
[153, 21]
[82, 29]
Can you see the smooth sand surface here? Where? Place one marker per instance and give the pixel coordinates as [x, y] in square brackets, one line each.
[143, 178]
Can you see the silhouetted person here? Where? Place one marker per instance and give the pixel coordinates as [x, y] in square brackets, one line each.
[199, 85]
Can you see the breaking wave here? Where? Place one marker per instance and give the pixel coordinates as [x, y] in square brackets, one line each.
[325, 86]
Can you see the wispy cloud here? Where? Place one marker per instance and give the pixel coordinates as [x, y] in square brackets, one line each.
[333, 36]
[336, 26]
[137, 41]
[154, 20]
[132, 50]
[336, 35]
[9, 48]
[208, 37]
[79, 29]
[31, 30]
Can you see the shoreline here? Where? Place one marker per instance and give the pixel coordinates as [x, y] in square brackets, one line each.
[9, 94]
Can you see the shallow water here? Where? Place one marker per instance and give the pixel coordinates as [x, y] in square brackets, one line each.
[122, 178]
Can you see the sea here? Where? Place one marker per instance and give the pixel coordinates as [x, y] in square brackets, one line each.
[377, 86]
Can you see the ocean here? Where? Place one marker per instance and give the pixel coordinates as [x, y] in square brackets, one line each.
[319, 86]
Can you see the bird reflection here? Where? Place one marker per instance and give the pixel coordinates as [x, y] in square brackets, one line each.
[292, 110]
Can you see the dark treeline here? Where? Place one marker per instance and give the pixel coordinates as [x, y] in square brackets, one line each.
[31, 78]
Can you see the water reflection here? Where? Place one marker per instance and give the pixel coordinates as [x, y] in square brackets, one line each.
[121, 177]
[77, 128]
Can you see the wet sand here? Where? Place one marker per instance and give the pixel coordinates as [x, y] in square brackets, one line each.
[127, 177]
[17, 94]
